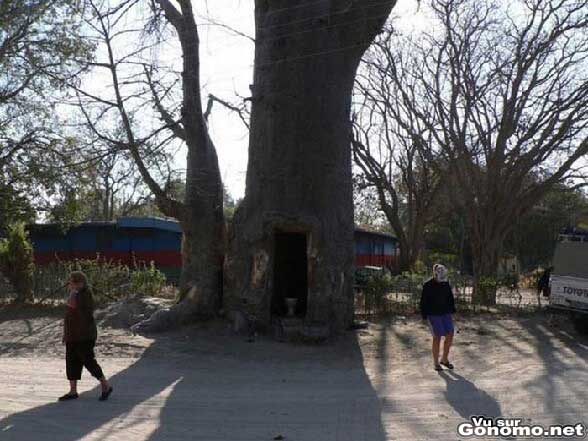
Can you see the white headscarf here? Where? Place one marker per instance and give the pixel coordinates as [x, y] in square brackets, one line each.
[440, 273]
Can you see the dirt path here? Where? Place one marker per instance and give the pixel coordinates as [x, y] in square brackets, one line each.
[371, 385]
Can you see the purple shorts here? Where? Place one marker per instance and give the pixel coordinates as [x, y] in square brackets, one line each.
[441, 325]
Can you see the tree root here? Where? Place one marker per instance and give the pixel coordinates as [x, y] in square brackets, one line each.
[166, 319]
[191, 308]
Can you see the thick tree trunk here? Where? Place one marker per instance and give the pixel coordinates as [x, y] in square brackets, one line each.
[203, 240]
[407, 256]
[201, 215]
[485, 254]
[403, 257]
[299, 172]
[202, 221]
[410, 240]
[415, 243]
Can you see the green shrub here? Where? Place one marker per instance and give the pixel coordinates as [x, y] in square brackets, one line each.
[485, 291]
[420, 267]
[408, 287]
[17, 261]
[147, 280]
[108, 280]
[375, 290]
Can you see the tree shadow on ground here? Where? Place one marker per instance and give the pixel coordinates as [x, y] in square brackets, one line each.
[220, 388]
[564, 355]
[558, 357]
[74, 420]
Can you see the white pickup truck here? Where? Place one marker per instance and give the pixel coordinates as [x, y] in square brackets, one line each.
[569, 281]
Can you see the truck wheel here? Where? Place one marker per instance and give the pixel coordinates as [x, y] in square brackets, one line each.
[581, 323]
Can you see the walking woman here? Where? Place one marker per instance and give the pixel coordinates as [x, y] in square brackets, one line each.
[79, 336]
[437, 305]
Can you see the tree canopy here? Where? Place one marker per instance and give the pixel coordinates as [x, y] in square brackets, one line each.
[40, 46]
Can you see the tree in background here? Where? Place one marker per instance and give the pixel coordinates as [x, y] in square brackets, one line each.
[16, 261]
[532, 240]
[366, 206]
[14, 207]
[229, 204]
[39, 43]
[388, 152]
[114, 187]
[502, 90]
[108, 185]
[141, 115]
[535, 235]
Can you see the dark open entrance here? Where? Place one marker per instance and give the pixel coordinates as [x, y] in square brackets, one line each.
[290, 273]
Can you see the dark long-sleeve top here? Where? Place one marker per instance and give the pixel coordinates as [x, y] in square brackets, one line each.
[544, 280]
[79, 323]
[437, 299]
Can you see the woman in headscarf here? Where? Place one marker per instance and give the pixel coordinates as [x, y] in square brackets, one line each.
[437, 306]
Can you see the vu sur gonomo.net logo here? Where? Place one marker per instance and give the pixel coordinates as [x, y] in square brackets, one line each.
[481, 426]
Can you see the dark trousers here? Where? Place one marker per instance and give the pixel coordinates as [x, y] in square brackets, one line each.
[78, 355]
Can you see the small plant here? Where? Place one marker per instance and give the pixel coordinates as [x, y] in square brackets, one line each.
[485, 291]
[376, 289]
[17, 262]
[109, 280]
[420, 267]
[147, 280]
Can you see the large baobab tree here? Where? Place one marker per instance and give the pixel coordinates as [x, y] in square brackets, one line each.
[292, 235]
[502, 88]
[299, 185]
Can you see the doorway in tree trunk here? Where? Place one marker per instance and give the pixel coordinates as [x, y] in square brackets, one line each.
[290, 273]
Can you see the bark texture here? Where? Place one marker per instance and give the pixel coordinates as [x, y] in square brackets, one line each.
[299, 172]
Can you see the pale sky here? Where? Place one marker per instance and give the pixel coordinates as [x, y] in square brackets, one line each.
[226, 71]
[226, 67]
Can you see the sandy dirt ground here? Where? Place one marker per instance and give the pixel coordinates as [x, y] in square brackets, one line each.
[377, 384]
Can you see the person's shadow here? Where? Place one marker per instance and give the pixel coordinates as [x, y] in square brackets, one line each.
[73, 420]
[467, 399]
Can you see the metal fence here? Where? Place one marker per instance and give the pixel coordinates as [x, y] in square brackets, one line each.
[401, 295]
[109, 281]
